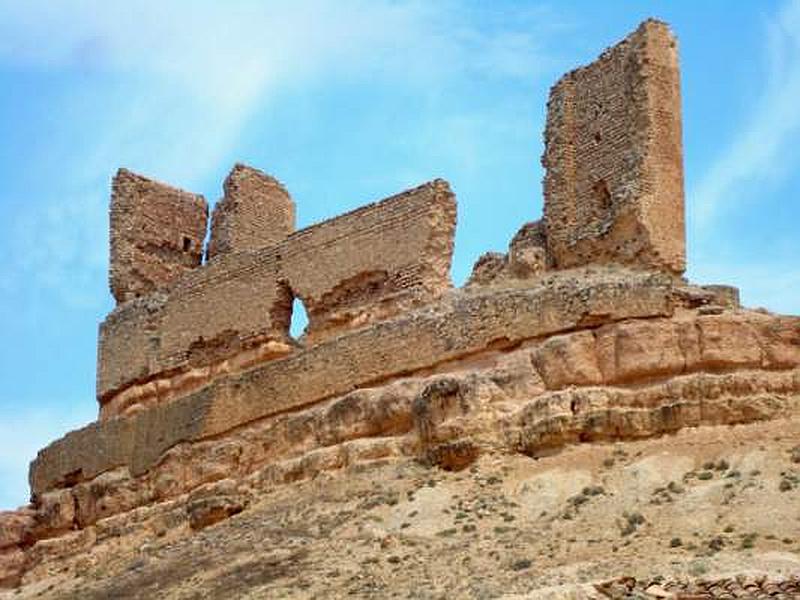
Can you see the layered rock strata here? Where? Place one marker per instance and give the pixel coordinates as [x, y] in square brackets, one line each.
[585, 357]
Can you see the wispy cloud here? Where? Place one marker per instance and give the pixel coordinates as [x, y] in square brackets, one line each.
[765, 146]
[180, 81]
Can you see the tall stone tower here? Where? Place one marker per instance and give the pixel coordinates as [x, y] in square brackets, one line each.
[613, 188]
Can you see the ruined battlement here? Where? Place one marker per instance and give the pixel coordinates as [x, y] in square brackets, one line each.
[584, 330]
[157, 234]
[355, 269]
[255, 211]
[613, 194]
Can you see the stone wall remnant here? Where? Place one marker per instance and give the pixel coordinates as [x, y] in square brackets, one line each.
[374, 262]
[359, 268]
[358, 358]
[613, 186]
[526, 259]
[156, 235]
[256, 211]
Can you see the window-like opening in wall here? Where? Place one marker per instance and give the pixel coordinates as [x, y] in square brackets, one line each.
[602, 195]
[187, 244]
[299, 320]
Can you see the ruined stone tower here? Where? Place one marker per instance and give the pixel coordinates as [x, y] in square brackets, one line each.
[255, 212]
[613, 188]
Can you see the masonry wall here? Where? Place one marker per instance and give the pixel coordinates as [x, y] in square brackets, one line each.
[418, 340]
[233, 305]
[613, 157]
[256, 211]
[156, 233]
[356, 269]
[373, 262]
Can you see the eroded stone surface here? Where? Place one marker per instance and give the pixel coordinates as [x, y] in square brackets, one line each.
[613, 187]
[369, 265]
[525, 260]
[506, 526]
[219, 431]
[256, 212]
[464, 324]
[156, 235]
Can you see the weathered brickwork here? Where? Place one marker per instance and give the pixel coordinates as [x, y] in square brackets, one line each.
[374, 262]
[157, 234]
[421, 339]
[186, 331]
[613, 188]
[255, 212]
[582, 328]
[359, 268]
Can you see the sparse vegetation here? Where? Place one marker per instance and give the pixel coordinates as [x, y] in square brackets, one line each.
[522, 564]
[698, 568]
[631, 522]
[716, 544]
[749, 540]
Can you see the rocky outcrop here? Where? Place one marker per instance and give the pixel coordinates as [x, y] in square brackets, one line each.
[598, 376]
[582, 335]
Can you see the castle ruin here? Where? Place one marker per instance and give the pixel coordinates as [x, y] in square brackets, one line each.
[197, 356]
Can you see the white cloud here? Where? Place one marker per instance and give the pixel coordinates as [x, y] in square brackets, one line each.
[767, 140]
[185, 76]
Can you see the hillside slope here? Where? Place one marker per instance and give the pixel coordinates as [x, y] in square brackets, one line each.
[705, 504]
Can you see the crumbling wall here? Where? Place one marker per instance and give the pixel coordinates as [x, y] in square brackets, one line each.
[128, 343]
[235, 303]
[256, 211]
[613, 194]
[157, 234]
[613, 188]
[375, 261]
[586, 327]
[419, 340]
[235, 311]
[232, 305]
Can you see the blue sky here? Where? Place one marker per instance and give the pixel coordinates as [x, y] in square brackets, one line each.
[347, 102]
